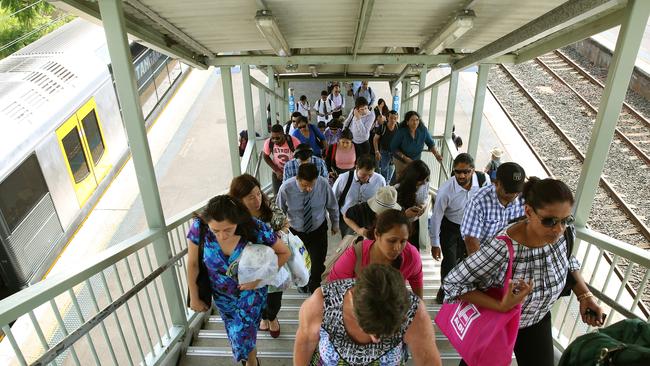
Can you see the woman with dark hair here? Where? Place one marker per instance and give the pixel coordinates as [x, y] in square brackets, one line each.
[388, 246]
[541, 265]
[248, 190]
[413, 195]
[229, 228]
[409, 140]
[381, 116]
[341, 156]
[369, 320]
[381, 108]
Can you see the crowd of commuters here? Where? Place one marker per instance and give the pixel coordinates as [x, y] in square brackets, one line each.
[362, 175]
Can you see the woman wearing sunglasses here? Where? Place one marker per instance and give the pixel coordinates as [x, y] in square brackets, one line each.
[539, 270]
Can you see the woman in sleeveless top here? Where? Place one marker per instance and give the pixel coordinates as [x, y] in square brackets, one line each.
[365, 321]
[341, 156]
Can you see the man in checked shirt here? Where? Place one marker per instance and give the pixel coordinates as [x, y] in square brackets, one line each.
[493, 206]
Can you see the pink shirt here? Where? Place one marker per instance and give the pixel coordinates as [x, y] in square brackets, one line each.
[281, 154]
[345, 159]
[411, 267]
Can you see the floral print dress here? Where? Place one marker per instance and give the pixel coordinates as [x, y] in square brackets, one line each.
[240, 310]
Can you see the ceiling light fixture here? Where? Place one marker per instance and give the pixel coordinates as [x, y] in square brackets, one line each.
[268, 26]
[450, 33]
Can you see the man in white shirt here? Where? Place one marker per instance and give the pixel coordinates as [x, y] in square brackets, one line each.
[292, 125]
[365, 91]
[357, 186]
[448, 210]
[360, 121]
[303, 107]
[337, 101]
[323, 108]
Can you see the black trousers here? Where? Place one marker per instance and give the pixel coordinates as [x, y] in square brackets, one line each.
[451, 245]
[414, 238]
[276, 183]
[273, 303]
[534, 345]
[362, 148]
[316, 244]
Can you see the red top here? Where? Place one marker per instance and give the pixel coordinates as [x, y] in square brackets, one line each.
[411, 267]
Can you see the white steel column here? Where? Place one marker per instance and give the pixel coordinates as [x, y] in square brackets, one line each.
[273, 99]
[433, 109]
[423, 84]
[477, 112]
[231, 121]
[449, 122]
[122, 65]
[263, 113]
[618, 78]
[283, 103]
[248, 104]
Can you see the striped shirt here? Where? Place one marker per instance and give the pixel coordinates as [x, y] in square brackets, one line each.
[546, 266]
[484, 215]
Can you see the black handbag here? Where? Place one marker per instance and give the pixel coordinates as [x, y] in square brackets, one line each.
[202, 279]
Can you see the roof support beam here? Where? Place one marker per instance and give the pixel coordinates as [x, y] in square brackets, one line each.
[152, 39]
[401, 76]
[338, 76]
[563, 16]
[170, 27]
[362, 25]
[570, 35]
[336, 59]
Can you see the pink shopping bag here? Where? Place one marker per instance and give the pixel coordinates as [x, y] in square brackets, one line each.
[482, 336]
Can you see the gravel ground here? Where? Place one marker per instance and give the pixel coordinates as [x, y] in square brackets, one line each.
[605, 215]
[636, 130]
[635, 100]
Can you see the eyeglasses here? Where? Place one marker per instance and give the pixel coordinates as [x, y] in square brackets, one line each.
[552, 221]
[462, 171]
[303, 126]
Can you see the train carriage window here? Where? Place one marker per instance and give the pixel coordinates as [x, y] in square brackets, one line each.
[21, 191]
[93, 136]
[75, 154]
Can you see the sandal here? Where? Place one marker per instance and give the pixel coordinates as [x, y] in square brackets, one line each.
[275, 333]
[267, 326]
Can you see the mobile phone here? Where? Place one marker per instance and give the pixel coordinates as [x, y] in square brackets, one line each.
[590, 312]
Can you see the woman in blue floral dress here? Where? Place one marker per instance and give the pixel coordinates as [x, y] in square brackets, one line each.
[230, 227]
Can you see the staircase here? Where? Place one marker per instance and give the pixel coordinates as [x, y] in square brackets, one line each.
[210, 346]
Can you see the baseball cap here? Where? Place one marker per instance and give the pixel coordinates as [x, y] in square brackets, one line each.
[511, 176]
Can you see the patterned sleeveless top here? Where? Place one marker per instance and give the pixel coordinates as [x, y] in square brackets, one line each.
[336, 348]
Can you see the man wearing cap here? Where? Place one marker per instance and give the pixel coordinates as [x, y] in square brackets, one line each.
[357, 186]
[451, 199]
[495, 161]
[493, 207]
[361, 218]
[303, 154]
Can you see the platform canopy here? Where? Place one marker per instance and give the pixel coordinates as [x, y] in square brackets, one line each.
[380, 38]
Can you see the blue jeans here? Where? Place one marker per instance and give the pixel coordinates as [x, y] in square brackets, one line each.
[386, 167]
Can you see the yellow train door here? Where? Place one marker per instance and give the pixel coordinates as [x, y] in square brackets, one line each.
[84, 150]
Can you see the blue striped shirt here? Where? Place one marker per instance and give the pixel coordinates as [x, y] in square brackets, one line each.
[291, 168]
[484, 215]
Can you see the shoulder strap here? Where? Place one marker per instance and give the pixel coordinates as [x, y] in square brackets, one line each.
[290, 142]
[358, 251]
[312, 129]
[202, 231]
[511, 255]
[568, 236]
[287, 128]
[271, 145]
[480, 176]
[346, 189]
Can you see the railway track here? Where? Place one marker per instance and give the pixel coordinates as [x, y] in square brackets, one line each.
[632, 128]
[553, 159]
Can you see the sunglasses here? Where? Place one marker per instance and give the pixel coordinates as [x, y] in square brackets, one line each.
[462, 171]
[303, 126]
[552, 221]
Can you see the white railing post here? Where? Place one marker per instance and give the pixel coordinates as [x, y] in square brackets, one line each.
[231, 121]
[477, 111]
[118, 48]
[248, 104]
[273, 99]
[423, 83]
[433, 109]
[618, 78]
[449, 120]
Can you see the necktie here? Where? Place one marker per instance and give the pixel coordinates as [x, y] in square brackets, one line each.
[307, 212]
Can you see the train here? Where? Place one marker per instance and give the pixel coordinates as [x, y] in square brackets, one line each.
[62, 140]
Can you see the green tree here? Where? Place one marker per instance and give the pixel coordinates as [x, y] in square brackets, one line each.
[24, 21]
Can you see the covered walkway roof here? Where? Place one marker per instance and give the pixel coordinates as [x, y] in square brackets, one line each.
[377, 38]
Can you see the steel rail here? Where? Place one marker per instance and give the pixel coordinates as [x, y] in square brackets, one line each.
[618, 132]
[595, 81]
[606, 185]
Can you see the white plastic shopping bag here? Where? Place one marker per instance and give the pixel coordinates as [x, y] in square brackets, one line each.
[257, 262]
[299, 263]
